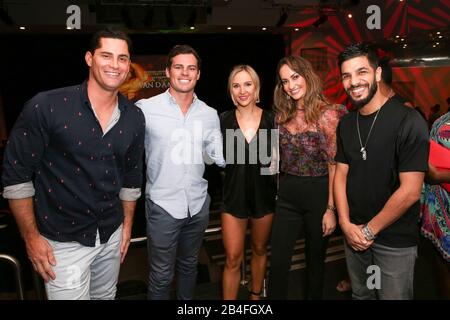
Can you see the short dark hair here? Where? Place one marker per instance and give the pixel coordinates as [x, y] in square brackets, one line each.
[111, 33]
[386, 70]
[358, 50]
[182, 49]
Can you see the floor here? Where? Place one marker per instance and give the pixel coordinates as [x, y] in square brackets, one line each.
[133, 276]
[134, 271]
[132, 282]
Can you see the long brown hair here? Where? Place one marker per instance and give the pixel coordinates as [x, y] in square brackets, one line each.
[314, 100]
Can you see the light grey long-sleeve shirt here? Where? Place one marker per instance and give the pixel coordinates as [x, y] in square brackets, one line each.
[176, 148]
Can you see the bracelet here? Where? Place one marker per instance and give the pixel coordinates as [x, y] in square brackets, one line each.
[331, 207]
[368, 234]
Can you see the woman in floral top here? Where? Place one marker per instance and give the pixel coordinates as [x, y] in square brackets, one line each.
[435, 208]
[307, 126]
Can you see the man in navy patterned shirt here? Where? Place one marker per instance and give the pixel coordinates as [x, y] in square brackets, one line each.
[73, 172]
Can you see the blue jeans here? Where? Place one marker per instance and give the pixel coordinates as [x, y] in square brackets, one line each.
[173, 242]
[396, 266]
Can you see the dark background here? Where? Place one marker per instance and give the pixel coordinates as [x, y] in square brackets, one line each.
[33, 63]
[39, 62]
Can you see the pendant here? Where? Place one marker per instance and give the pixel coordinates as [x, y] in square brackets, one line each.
[363, 153]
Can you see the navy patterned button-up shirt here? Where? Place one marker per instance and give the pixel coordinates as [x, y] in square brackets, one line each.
[77, 170]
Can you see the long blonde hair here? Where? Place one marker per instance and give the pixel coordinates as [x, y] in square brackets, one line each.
[314, 100]
[253, 75]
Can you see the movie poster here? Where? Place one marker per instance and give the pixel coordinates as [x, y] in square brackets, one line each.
[147, 77]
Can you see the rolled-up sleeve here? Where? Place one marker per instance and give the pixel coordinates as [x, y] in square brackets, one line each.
[130, 194]
[19, 191]
[25, 147]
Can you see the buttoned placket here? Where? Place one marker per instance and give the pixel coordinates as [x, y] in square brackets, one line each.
[186, 168]
[111, 124]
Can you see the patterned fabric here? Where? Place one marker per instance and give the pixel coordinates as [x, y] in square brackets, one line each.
[435, 200]
[77, 170]
[305, 149]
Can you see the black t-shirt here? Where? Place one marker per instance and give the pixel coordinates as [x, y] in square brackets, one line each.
[400, 99]
[398, 143]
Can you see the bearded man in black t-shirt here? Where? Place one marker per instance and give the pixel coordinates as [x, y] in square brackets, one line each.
[382, 156]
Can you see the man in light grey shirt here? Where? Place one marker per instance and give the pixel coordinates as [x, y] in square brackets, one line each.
[181, 131]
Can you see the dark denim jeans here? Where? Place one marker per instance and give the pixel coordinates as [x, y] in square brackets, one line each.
[173, 242]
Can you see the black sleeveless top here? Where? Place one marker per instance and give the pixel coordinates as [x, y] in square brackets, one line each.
[249, 191]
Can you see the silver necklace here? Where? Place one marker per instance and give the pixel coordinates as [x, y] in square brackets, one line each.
[363, 147]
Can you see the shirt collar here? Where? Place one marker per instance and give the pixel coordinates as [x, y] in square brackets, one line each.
[173, 101]
[122, 101]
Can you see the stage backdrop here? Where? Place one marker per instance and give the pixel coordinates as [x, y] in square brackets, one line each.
[147, 77]
[424, 85]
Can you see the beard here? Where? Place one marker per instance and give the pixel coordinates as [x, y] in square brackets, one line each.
[362, 102]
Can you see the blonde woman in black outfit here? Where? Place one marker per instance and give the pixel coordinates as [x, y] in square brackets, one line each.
[249, 193]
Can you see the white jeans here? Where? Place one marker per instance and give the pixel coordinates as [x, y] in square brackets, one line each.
[84, 273]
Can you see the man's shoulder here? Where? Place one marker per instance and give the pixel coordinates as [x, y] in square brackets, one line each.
[151, 101]
[204, 108]
[403, 114]
[53, 97]
[66, 92]
[136, 112]
[396, 108]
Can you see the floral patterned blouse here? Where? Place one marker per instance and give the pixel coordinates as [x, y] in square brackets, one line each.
[306, 150]
[435, 200]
